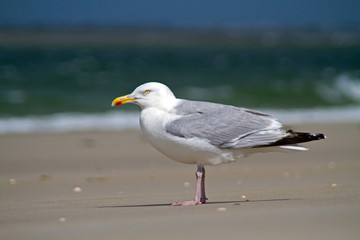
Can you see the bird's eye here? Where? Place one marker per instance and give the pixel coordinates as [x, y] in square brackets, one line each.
[147, 91]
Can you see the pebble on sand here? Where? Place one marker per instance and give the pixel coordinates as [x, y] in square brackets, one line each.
[44, 178]
[285, 174]
[331, 165]
[62, 219]
[221, 209]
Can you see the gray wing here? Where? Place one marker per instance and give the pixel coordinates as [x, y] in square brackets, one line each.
[224, 126]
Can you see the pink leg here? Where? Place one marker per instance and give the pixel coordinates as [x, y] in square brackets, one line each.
[200, 196]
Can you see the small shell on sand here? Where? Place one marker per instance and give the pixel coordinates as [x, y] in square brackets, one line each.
[12, 181]
[221, 209]
[77, 189]
[333, 185]
[186, 184]
[62, 219]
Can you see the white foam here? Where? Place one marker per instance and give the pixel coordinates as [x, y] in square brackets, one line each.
[120, 120]
[66, 122]
[348, 114]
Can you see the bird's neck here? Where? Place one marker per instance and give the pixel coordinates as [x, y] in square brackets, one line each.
[166, 106]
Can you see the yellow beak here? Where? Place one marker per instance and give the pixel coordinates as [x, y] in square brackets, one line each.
[122, 100]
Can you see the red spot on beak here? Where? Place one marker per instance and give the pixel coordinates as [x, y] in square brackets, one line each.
[118, 103]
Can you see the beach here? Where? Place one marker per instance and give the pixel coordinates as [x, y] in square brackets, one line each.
[114, 185]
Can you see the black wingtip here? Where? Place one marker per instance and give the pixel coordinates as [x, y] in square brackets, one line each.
[306, 136]
[295, 138]
[298, 137]
[319, 136]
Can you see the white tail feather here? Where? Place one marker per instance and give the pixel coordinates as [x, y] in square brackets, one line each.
[295, 147]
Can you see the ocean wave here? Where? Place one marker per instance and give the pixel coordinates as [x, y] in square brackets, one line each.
[120, 120]
[344, 88]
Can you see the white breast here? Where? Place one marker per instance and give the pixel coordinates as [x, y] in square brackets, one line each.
[192, 151]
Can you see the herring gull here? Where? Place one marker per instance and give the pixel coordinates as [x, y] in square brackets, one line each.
[205, 133]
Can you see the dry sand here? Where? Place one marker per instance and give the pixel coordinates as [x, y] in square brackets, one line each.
[114, 185]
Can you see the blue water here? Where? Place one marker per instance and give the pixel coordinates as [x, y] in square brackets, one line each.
[38, 82]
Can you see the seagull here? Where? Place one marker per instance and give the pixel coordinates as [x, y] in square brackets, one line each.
[205, 133]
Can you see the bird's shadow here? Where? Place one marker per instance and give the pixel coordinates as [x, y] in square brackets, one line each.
[207, 203]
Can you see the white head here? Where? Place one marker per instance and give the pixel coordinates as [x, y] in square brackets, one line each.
[152, 94]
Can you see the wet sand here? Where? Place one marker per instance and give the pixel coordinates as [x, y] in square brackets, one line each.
[114, 185]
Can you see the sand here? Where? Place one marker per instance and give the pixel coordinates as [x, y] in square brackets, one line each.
[114, 185]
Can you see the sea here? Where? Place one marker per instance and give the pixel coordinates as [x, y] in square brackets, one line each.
[56, 87]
